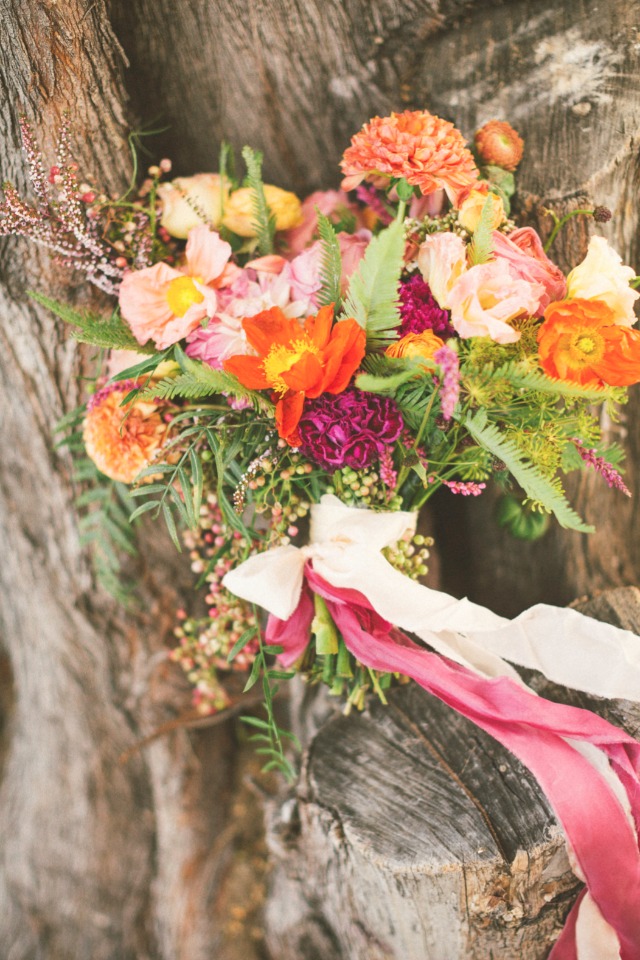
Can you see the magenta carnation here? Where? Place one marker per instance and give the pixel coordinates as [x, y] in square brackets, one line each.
[350, 429]
[420, 310]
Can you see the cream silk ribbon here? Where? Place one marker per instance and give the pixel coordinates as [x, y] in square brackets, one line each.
[345, 543]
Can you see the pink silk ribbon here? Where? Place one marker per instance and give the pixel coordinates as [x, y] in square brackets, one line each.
[599, 832]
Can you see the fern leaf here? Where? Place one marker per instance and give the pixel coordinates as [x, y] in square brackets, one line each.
[199, 380]
[330, 262]
[110, 334]
[481, 247]
[540, 382]
[263, 219]
[537, 487]
[373, 291]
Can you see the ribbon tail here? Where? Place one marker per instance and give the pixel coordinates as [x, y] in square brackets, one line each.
[292, 634]
[272, 580]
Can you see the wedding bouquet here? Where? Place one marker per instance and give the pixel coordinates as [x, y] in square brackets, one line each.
[287, 383]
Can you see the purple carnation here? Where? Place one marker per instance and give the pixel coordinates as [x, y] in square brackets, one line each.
[351, 429]
[420, 311]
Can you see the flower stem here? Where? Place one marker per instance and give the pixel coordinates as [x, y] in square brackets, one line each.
[560, 223]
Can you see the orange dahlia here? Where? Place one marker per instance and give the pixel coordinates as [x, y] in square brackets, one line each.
[122, 440]
[580, 341]
[426, 151]
[298, 361]
[498, 143]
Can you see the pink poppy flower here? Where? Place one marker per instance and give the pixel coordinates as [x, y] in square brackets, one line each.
[523, 251]
[163, 304]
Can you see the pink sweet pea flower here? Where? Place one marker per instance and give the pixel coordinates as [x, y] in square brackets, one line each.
[487, 297]
[523, 251]
[163, 304]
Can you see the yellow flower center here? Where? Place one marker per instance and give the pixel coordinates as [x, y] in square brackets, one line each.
[586, 348]
[282, 357]
[182, 294]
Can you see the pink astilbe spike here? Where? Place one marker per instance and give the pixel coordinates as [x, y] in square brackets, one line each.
[601, 466]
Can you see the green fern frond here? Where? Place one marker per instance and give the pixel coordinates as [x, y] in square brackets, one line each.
[481, 248]
[330, 262]
[110, 334]
[263, 220]
[198, 379]
[541, 383]
[373, 291]
[538, 488]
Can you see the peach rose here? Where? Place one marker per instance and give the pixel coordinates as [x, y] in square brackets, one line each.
[603, 276]
[486, 298]
[188, 202]
[442, 259]
[238, 211]
[523, 251]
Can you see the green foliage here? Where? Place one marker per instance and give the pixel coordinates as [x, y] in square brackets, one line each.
[103, 506]
[541, 491]
[198, 380]
[502, 182]
[330, 262]
[269, 736]
[263, 220]
[481, 247]
[373, 291]
[524, 379]
[109, 334]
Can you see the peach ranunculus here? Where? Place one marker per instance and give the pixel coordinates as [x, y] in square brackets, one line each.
[188, 202]
[471, 208]
[122, 440]
[426, 151]
[332, 203]
[498, 143]
[488, 297]
[297, 362]
[523, 250]
[416, 346]
[580, 341]
[163, 304]
[239, 216]
[442, 259]
[603, 276]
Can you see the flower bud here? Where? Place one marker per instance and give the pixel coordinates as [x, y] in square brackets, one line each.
[471, 210]
[498, 143]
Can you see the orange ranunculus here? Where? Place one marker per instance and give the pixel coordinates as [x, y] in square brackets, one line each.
[414, 346]
[580, 341]
[298, 361]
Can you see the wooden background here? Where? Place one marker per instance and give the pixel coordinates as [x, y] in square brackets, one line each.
[105, 859]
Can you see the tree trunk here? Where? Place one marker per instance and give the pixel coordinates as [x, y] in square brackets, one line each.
[116, 858]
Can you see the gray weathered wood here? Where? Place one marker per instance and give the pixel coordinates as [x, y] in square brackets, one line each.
[415, 836]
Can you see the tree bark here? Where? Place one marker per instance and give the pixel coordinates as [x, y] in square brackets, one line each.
[114, 859]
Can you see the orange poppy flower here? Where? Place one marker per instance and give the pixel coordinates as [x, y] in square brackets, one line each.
[298, 361]
[580, 341]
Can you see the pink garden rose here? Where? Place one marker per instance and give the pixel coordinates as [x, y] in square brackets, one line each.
[163, 304]
[523, 250]
[487, 297]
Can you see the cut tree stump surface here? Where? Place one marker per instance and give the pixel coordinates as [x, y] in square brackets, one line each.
[414, 835]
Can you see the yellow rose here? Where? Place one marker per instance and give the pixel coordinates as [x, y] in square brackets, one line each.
[184, 199]
[471, 209]
[238, 210]
[603, 276]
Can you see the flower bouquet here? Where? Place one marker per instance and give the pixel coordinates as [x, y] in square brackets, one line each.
[287, 383]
